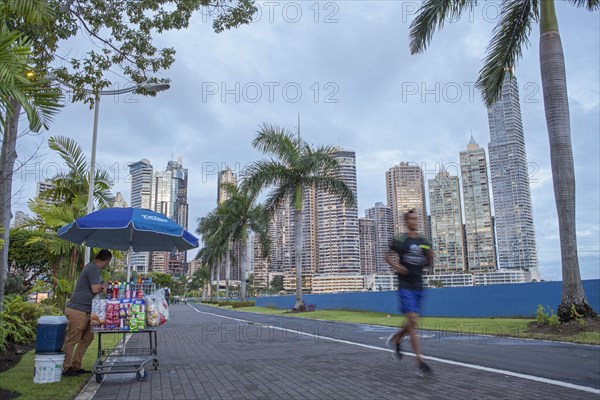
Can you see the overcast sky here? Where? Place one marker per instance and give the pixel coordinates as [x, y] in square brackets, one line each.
[346, 68]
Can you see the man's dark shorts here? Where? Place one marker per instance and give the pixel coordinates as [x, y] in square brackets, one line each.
[410, 300]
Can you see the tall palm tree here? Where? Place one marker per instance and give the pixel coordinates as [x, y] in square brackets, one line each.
[295, 165]
[505, 48]
[216, 245]
[242, 215]
[19, 91]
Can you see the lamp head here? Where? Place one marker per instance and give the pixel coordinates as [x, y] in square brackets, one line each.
[154, 87]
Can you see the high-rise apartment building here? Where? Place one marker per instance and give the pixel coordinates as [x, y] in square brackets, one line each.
[141, 184]
[405, 190]
[446, 223]
[384, 232]
[225, 176]
[515, 233]
[141, 197]
[479, 228]
[338, 224]
[368, 253]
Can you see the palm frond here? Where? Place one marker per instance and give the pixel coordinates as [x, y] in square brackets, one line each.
[277, 142]
[506, 46]
[29, 11]
[591, 5]
[70, 151]
[335, 186]
[431, 16]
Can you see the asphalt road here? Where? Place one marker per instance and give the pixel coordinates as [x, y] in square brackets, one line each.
[565, 362]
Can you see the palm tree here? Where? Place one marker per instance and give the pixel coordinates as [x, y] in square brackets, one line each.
[505, 48]
[242, 214]
[19, 91]
[216, 245]
[295, 165]
[74, 182]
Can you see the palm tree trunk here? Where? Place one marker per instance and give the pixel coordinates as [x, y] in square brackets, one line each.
[7, 160]
[243, 260]
[218, 281]
[227, 271]
[298, 249]
[556, 106]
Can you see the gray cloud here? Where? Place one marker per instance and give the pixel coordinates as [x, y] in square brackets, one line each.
[360, 89]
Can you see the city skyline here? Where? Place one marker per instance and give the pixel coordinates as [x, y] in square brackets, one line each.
[381, 102]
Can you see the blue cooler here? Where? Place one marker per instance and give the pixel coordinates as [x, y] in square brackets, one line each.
[50, 334]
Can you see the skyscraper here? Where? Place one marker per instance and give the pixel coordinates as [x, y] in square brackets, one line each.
[446, 223]
[338, 224]
[384, 232]
[141, 184]
[405, 189]
[141, 197]
[368, 254]
[479, 228]
[515, 232]
[225, 176]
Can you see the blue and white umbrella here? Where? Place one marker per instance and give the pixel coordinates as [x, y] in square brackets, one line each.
[128, 228]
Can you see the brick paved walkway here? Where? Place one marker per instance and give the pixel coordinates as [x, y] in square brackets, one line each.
[208, 357]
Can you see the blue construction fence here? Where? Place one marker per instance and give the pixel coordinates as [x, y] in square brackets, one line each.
[514, 300]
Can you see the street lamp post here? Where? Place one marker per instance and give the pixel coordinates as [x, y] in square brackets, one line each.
[148, 87]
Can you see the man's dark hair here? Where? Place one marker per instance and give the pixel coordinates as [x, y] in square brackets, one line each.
[103, 255]
[409, 213]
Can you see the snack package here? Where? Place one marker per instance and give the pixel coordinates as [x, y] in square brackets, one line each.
[157, 309]
[137, 316]
[112, 314]
[98, 315]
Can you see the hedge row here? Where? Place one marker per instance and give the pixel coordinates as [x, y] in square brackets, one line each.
[234, 304]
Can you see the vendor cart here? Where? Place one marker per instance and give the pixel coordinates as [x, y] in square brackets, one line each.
[124, 359]
[127, 358]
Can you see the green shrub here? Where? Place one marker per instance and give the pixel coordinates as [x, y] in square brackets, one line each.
[19, 319]
[542, 317]
[239, 304]
[224, 303]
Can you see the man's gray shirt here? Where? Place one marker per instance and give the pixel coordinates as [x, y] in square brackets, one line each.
[82, 296]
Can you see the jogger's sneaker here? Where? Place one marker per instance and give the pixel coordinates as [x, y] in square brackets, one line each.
[396, 347]
[425, 371]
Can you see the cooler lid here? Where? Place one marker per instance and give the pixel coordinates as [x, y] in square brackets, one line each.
[52, 320]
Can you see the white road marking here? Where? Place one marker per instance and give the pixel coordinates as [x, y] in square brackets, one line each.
[440, 360]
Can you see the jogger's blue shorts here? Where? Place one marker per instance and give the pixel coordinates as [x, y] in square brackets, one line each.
[410, 300]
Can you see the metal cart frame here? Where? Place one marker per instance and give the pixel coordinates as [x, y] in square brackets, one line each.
[122, 360]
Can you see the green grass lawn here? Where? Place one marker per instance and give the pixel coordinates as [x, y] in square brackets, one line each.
[514, 327]
[20, 378]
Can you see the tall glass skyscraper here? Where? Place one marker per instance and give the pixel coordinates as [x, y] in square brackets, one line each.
[515, 232]
[384, 232]
[446, 223]
[405, 190]
[338, 235]
[479, 229]
[141, 197]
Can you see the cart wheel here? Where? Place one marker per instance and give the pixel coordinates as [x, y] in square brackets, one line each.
[155, 364]
[141, 375]
[99, 378]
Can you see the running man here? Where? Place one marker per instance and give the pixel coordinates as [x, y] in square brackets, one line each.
[414, 253]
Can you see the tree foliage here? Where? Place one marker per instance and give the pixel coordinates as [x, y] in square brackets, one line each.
[29, 261]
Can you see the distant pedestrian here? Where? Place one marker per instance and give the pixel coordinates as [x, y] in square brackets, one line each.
[78, 311]
[414, 253]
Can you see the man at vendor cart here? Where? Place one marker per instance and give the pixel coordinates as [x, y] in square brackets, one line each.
[78, 310]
